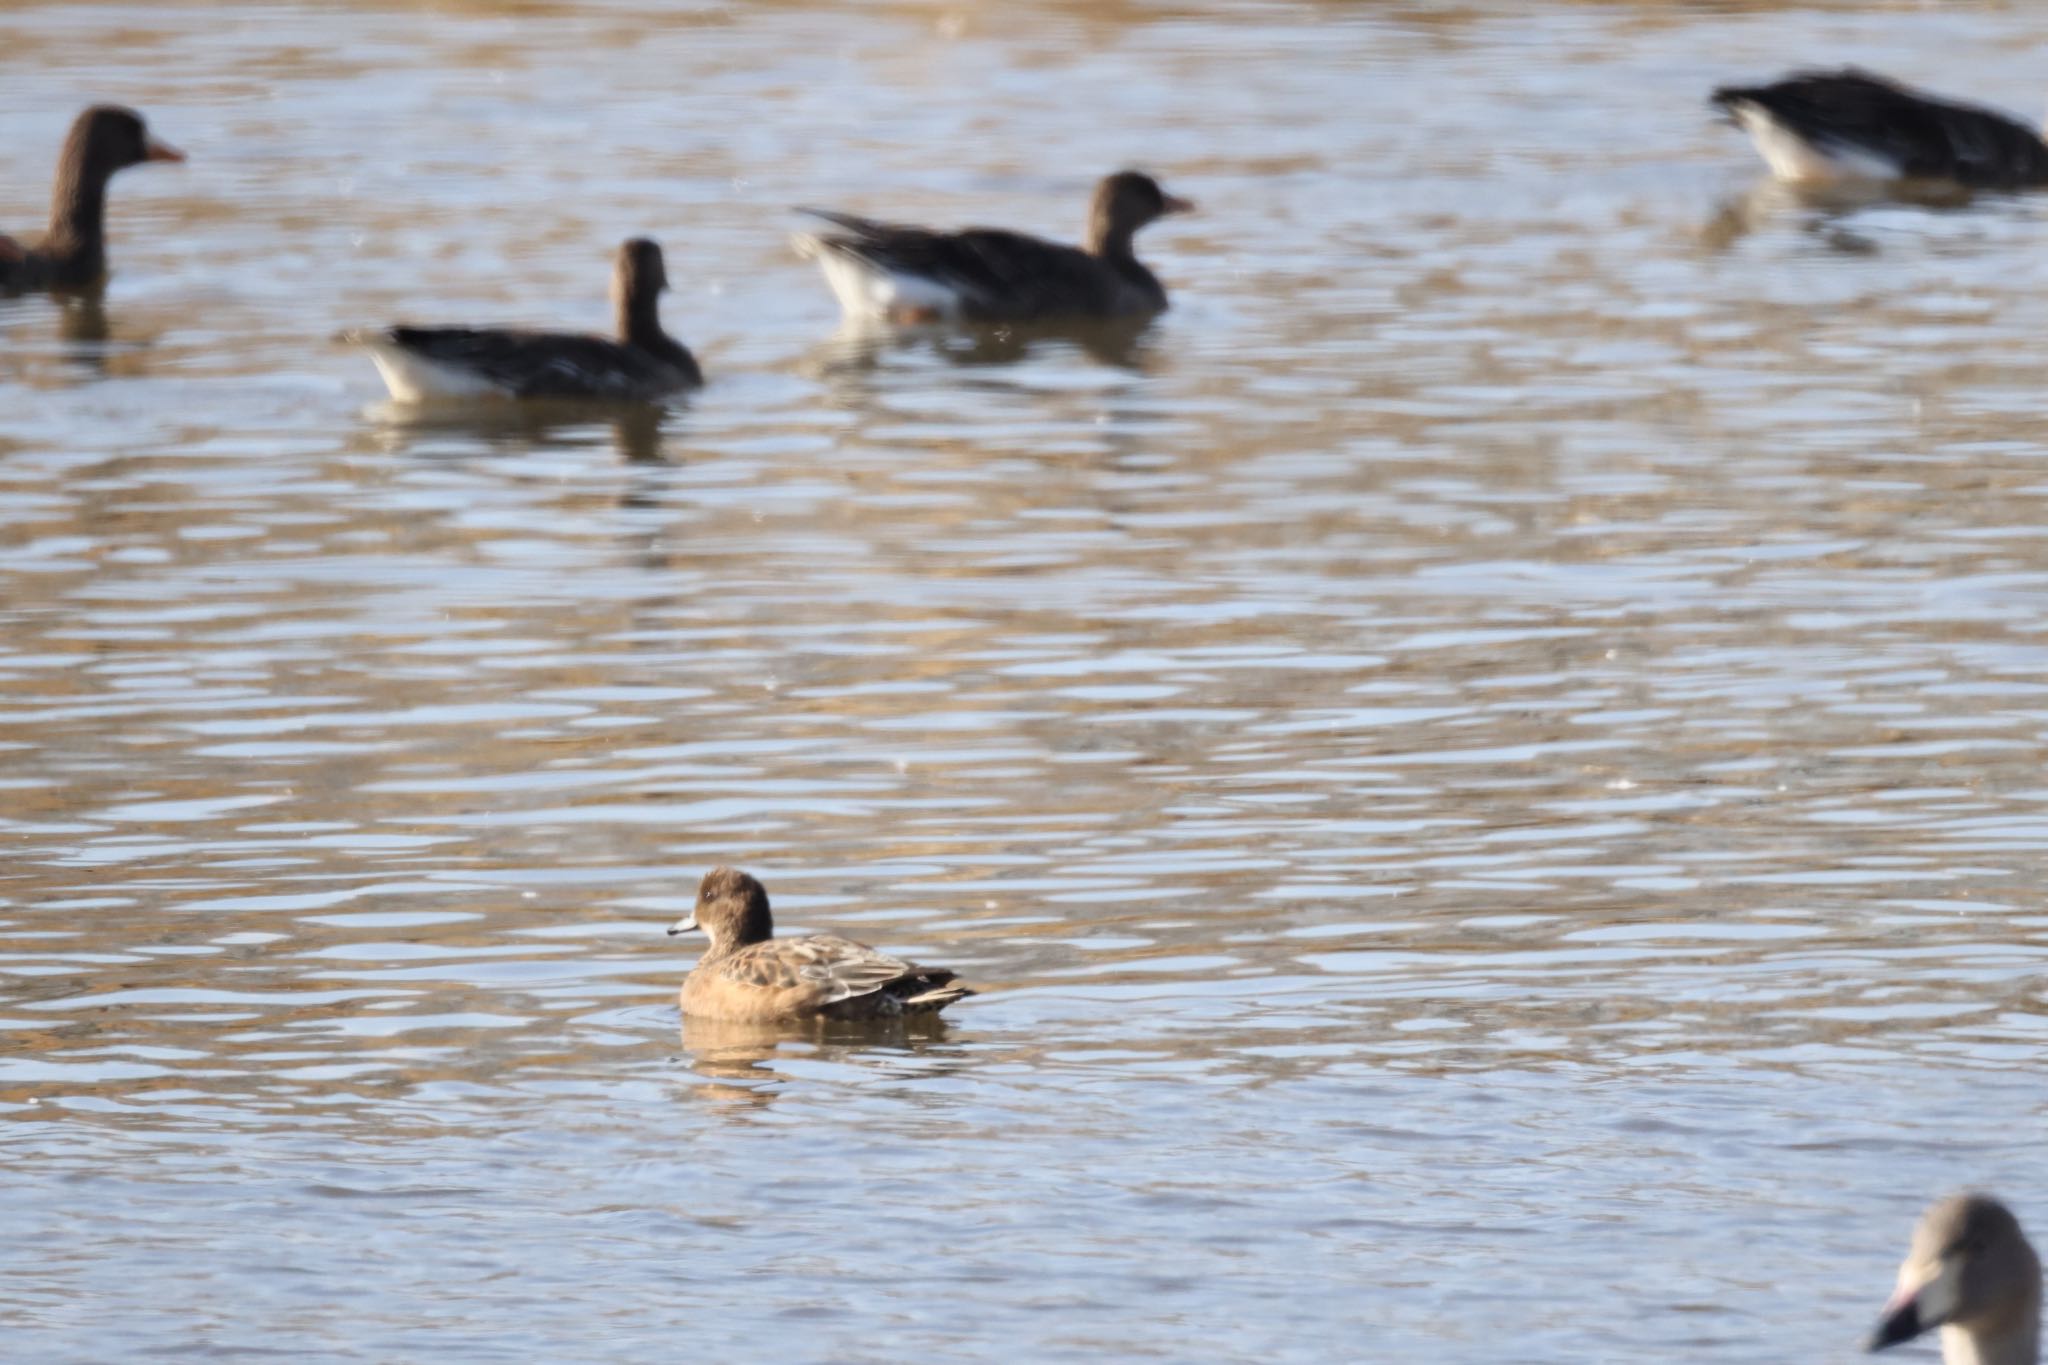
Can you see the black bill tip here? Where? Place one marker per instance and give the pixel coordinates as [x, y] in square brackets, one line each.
[1902, 1324]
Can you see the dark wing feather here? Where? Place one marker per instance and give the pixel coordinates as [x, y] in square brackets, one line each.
[544, 364]
[1927, 138]
[1034, 277]
[857, 225]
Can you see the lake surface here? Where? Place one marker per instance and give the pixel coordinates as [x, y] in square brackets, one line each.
[1489, 771]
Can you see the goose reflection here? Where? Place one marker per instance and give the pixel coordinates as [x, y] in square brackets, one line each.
[83, 322]
[516, 428]
[84, 342]
[1824, 208]
[860, 347]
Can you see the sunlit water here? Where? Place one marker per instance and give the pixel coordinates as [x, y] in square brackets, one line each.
[1489, 773]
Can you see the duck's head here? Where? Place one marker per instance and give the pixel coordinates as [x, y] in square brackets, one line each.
[638, 272]
[107, 138]
[1971, 1268]
[1127, 201]
[731, 910]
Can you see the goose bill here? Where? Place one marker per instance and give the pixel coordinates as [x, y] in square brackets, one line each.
[1899, 1324]
[1915, 1309]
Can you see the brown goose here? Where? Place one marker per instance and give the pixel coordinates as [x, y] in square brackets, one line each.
[72, 255]
[747, 975]
[893, 273]
[1829, 126]
[1972, 1274]
[646, 364]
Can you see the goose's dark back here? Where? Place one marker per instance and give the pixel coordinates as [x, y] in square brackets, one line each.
[1002, 276]
[1926, 137]
[549, 365]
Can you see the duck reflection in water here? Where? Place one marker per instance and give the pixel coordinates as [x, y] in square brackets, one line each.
[83, 321]
[742, 1053]
[62, 339]
[859, 347]
[519, 428]
[1822, 211]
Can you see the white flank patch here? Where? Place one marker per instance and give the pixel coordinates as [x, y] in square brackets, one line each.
[869, 293]
[415, 379]
[1792, 157]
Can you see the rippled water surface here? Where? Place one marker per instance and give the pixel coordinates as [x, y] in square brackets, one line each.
[1489, 770]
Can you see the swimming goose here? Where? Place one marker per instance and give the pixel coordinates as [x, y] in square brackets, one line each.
[72, 255]
[894, 273]
[421, 364]
[1970, 1273]
[1830, 126]
[747, 975]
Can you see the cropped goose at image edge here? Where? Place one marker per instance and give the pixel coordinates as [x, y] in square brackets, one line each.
[1832, 127]
[72, 255]
[1971, 1274]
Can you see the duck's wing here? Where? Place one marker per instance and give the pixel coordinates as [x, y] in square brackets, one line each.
[994, 273]
[823, 969]
[1924, 137]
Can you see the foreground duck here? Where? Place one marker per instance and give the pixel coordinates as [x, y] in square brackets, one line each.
[747, 975]
[888, 272]
[1827, 127]
[645, 364]
[1971, 1274]
[72, 255]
